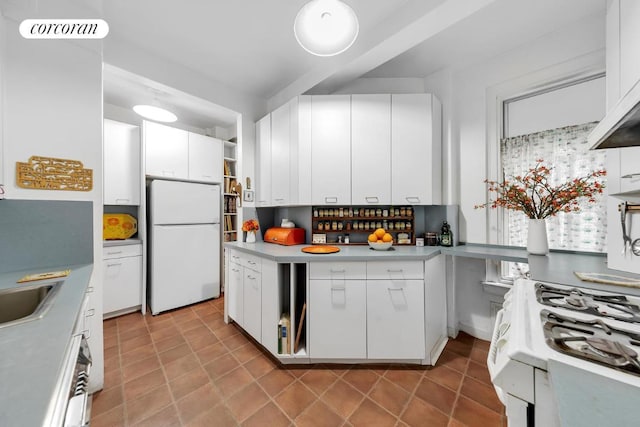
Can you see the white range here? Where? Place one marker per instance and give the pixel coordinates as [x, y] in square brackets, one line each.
[565, 356]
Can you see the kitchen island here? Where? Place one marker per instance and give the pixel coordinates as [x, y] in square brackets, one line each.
[358, 304]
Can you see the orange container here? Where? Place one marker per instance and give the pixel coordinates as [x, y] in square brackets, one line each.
[285, 236]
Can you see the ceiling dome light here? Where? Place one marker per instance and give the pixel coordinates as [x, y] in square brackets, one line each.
[326, 27]
[155, 113]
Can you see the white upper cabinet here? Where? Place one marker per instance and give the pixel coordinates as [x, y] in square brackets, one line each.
[331, 149]
[166, 151]
[121, 164]
[371, 149]
[301, 151]
[263, 161]
[280, 155]
[629, 44]
[622, 42]
[205, 158]
[415, 149]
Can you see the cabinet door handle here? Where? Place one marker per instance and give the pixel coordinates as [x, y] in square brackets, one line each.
[371, 199]
[90, 312]
[338, 271]
[89, 289]
[394, 271]
[114, 253]
[115, 264]
[206, 176]
[279, 200]
[251, 262]
[631, 175]
[331, 200]
[122, 200]
[413, 199]
[338, 287]
[236, 270]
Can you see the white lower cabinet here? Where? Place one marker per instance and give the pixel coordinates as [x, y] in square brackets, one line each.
[395, 319]
[122, 269]
[252, 312]
[338, 319]
[234, 292]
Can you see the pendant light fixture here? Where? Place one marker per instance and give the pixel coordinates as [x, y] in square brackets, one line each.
[326, 27]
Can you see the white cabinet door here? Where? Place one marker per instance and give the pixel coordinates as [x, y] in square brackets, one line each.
[235, 293]
[371, 149]
[629, 44]
[205, 158]
[263, 161]
[280, 145]
[252, 291]
[395, 319]
[629, 169]
[121, 164]
[122, 283]
[166, 151]
[331, 149]
[435, 307]
[612, 53]
[301, 151]
[415, 149]
[338, 319]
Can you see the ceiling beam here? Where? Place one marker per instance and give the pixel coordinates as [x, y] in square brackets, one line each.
[411, 25]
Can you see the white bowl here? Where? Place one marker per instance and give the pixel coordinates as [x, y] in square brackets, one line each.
[380, 246]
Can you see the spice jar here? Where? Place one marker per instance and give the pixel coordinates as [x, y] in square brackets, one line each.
[403, 212]
[431, 239]
[385, 213]
[350, 216]
[361, 225]
[340, 225]
[341, 212]
[315, 212]
[378, 212]
[334, 226]
[321, 226]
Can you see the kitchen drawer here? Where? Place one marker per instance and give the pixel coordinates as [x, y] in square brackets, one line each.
[337, 270]
[396, 270]
[123, 251]
[234, 256]
[251, 262]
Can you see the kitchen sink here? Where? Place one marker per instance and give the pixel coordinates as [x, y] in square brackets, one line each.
[26, 303]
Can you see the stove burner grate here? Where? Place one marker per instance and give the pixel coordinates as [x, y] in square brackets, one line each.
[592, 340]
[617, 307]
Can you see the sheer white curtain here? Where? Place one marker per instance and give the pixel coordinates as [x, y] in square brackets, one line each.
[566, 150]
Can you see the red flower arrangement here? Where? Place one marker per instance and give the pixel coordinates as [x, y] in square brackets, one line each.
[537, 198]
[250, 225]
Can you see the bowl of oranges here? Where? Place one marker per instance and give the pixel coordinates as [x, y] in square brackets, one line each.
[380, 240]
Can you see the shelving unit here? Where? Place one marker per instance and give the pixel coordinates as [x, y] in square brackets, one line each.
[360, 221]
[230, 216]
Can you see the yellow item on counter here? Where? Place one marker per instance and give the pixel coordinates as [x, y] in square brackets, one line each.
[118, 226]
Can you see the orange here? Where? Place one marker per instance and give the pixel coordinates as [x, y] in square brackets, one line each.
[387, 238]
[373, 238]
[380, 233]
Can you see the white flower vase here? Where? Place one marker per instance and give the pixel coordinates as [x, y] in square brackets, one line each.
[537, 243]
[251, 237]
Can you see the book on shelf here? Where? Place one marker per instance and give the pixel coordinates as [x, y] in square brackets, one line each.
[227, 171]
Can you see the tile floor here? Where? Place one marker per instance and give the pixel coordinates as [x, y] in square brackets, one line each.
[188, 368]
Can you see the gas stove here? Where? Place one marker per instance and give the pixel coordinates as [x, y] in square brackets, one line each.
[593, 340]
[612, 306]
[547, 332]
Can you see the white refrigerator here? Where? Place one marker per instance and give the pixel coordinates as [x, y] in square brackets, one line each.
[184, 222]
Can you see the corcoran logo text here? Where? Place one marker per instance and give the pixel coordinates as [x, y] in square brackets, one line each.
[64, 28]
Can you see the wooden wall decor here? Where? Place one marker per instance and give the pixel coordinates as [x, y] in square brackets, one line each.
[48, 173]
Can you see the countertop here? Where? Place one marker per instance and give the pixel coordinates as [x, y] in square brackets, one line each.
[556, 267]
[32, 353]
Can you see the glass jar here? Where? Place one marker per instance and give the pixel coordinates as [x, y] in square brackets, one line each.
[409, 212]
[315, 213]
[385, 213]
[334, 226]
[407, 226]
[361, 225]
[378, 212]
[403, 212]
[340, 225]
[321, 226]
[327, 225]
[348, 226]
[379, 224]
[356, 212]
[341, 212]
[350, 216]
[397, 212]
[366, 225]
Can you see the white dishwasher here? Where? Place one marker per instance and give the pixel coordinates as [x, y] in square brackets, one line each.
[122, 269]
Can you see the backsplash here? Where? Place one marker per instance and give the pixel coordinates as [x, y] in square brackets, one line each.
[45, 233]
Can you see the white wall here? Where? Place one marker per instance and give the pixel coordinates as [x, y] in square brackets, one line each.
[52, 106]
[477, 90]
[382, 85]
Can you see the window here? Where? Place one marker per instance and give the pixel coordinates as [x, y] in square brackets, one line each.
[553, 125]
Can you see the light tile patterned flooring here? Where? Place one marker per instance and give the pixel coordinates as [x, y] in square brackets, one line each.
[188, 368]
